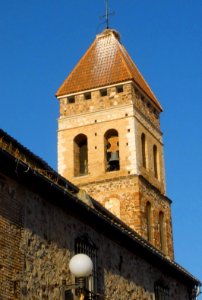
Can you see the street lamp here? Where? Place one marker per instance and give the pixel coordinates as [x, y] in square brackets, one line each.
[81, 266]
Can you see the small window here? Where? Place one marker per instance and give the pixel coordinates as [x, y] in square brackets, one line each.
[68, 295]
[161, 291]
[119, 89]
[103, 92]
[71, 99]
[84, 245]
[87, 96]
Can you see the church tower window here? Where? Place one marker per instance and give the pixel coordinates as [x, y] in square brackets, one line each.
[87, 96]
[161, 231]
[148, 220]
[103, 92]
[71, 99]
[112, 150]
[80, 155]
[155, 158]
[143, 144]
[119, 89]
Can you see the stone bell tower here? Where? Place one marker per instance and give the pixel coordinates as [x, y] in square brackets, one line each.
[110, 142]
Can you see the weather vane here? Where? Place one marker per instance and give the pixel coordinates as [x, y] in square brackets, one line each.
[107, 13]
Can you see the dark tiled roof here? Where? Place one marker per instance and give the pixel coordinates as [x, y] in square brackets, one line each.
[22, 154]
[106, 62]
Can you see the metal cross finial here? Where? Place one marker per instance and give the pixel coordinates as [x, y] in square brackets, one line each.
[107, 13]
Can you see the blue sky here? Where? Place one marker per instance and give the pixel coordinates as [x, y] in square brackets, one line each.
[41, 41]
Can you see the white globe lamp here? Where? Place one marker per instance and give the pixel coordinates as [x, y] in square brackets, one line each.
[81, 265]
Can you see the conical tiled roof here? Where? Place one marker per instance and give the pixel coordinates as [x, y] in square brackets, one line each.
[106, 62]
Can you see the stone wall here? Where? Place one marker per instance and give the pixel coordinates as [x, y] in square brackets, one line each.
[126, 198]
[146, 107]
[159, 203]
[152, 137]
[44, 242]
[96, 102]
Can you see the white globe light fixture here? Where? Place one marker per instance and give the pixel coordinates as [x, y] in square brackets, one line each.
[81, 265]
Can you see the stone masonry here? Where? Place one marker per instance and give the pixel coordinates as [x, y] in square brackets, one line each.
[40, 244]
[129, 114]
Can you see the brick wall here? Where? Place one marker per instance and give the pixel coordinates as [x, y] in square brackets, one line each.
[11, 222]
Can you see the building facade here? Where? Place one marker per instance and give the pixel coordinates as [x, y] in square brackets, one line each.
[45, 220]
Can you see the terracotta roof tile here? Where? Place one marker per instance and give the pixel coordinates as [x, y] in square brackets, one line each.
[106, 62]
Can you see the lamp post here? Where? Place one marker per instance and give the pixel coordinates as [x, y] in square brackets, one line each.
[81, 266]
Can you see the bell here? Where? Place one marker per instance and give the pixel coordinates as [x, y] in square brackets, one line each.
[114, 161]
[114, 157]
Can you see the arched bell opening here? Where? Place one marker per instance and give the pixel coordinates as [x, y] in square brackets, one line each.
[112, 162]
[80, 155]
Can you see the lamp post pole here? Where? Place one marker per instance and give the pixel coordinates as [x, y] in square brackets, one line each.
[81, 296]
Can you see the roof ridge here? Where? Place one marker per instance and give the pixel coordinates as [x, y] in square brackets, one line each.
[131, 64]
[123, 60]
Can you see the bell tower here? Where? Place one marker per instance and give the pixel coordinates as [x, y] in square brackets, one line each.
[110, 142]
